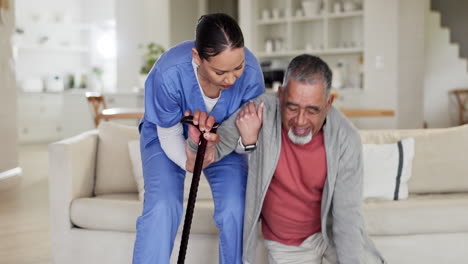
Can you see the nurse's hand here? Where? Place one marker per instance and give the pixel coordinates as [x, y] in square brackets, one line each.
[249, 121]
[204, 122]
[207, 122]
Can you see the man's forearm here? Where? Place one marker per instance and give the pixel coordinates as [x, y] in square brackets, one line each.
[229, 136]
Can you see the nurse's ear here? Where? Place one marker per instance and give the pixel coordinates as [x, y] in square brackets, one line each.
[196, 56]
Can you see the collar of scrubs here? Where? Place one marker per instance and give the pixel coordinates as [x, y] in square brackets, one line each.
[209, 102]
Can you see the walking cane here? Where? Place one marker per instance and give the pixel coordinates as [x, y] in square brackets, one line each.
[193, 189]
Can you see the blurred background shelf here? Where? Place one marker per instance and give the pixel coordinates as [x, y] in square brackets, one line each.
[292, 53]
[50, 48]
[331, 29]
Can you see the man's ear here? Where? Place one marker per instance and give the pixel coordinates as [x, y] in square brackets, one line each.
[331, 98]
[196, 56]
[280, 91]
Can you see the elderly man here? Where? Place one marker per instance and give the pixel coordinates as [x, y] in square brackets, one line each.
[305, 171]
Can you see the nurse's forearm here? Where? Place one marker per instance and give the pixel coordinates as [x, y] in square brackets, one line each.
[173, 143]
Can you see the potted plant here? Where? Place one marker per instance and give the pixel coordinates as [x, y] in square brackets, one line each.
[152, 52]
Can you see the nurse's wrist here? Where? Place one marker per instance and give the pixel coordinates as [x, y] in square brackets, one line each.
[192, 146]
[189, 165]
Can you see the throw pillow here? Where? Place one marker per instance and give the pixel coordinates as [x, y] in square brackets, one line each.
[113, 166]
[387, 169]
[135, 157]
[204, 191]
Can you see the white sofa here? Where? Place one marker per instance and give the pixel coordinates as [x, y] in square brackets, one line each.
[94, 201]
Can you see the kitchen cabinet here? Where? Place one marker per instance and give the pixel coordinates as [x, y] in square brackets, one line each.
[48, 117]
[39, 117]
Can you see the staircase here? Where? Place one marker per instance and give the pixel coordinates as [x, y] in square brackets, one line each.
[446, 60]
[445, 71]
[454, 15]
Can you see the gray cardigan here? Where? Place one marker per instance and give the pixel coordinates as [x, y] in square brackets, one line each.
[342, 221]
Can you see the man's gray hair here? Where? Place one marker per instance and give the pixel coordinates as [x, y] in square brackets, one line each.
[310, 69]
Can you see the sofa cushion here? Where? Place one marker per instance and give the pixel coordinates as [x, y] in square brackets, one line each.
[441, 157]
[116, 212]
[420, 214]
[113, 167]
[119, 212]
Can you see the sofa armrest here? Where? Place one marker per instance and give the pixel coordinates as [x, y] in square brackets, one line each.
[72, 165]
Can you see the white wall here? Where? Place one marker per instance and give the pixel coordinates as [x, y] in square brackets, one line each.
[380, 64]
[229, 7]
[97, 11]
[247, 18]
[394, 64]
[130, 33]
[156, 22]
[162, 21]
[445, 71]
[184, 17]
[411, 28]
[101, 15]
[8, 138]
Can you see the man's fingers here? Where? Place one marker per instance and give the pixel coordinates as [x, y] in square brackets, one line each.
[260, 112]
[252, 107]
[241, 114]
[246, 108]
[187, 113]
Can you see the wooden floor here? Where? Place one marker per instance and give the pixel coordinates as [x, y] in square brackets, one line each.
[24, 212]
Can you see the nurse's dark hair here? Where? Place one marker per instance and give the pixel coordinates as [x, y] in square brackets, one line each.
[216, 33]
[310, 69]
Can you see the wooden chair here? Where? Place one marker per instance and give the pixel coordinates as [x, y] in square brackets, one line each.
[461, 96]
[101, 111]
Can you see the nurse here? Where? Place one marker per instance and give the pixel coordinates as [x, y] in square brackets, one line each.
[214, 74]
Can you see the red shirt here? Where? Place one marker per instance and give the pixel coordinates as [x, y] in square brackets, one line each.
[291, 209]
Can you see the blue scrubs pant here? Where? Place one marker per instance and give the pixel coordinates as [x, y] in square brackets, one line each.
[162, 209]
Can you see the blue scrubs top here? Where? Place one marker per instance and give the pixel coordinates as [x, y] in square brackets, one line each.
[171, 88]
